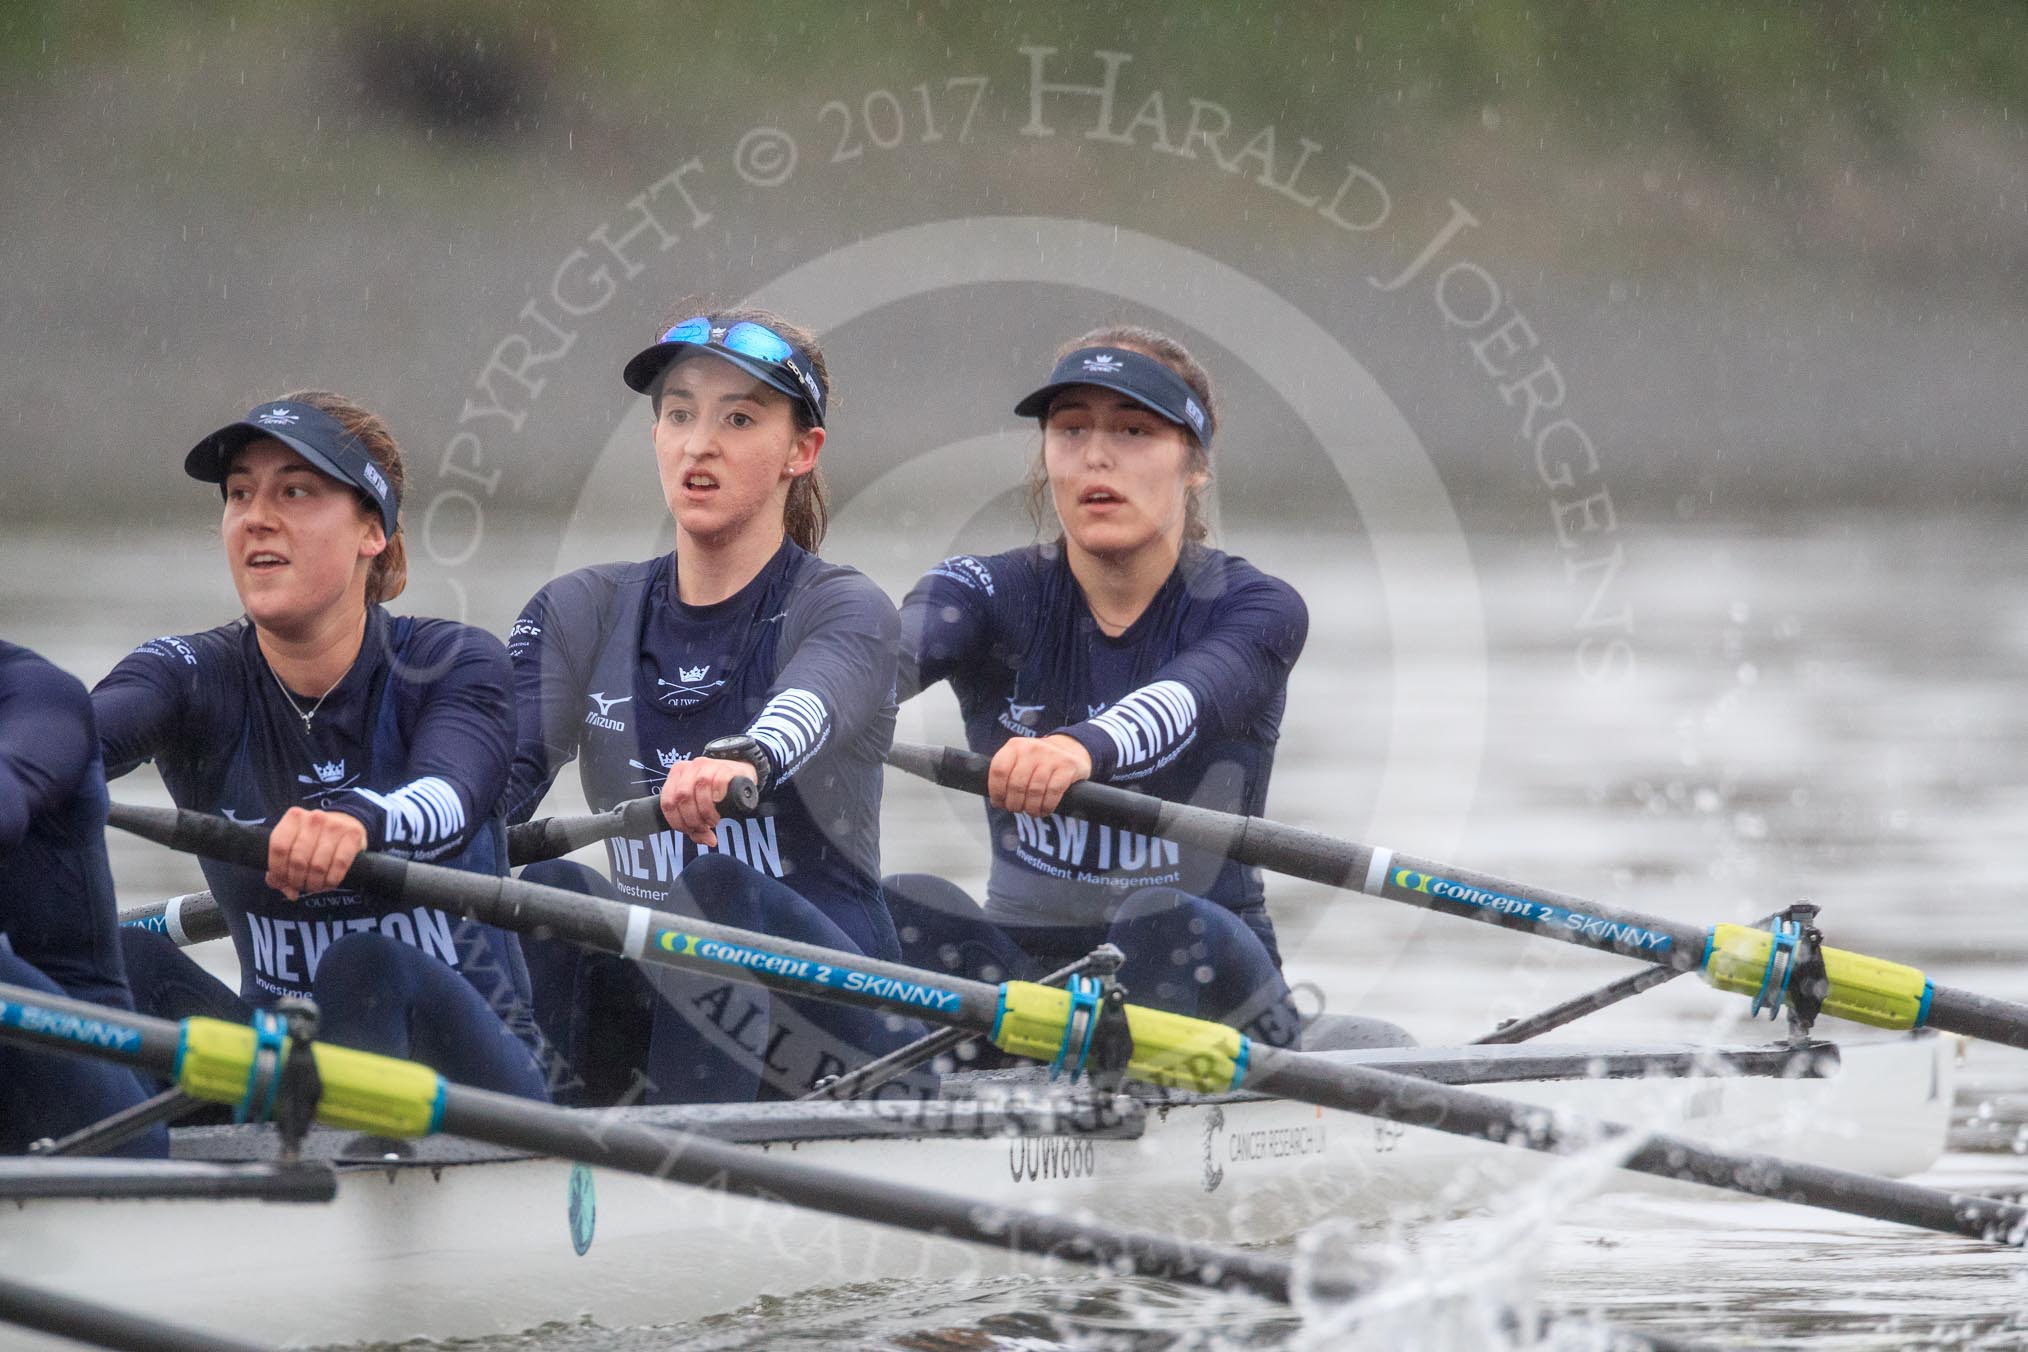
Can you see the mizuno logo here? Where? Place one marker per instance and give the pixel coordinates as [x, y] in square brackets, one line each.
[1021, 719]
[602, 717]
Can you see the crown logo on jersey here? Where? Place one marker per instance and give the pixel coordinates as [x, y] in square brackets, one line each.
[670, 757]
[329, 772]
[694, 673]
[278, 417]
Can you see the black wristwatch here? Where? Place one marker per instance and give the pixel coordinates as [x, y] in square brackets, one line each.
[741, 747]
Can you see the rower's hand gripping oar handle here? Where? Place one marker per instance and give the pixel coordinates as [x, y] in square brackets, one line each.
[966, 772]
[554, 837]
[195, 917]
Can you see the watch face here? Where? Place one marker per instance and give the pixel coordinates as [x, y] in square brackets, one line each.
[742, 748]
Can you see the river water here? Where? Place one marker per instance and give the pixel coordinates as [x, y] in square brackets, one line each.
[1824, 710]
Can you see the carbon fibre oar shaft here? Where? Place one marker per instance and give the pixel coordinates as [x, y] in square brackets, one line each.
[1735, 958]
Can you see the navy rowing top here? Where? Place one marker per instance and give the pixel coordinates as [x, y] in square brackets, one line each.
[57, 910]
[414, 742]
[614, 670]
[1186, 705]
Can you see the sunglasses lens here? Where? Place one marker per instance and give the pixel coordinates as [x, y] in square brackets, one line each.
[696, 330]
[752, 340]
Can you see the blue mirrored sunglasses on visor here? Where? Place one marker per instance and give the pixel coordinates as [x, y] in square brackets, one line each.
[754, 348]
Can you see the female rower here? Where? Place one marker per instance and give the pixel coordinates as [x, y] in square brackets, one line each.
[1126, 651]
[341, 728]
[740, 653]
[58, 927]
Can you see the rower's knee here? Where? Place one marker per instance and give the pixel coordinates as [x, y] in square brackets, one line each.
[1162, 923]
[720, 889]
[940, 927]
[355, 965]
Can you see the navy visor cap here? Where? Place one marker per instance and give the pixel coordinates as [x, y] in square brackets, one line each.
[311, 433]
[1141, 378]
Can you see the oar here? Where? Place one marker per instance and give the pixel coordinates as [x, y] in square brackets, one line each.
[215, 1060]
[32, 1307]
[1036, 1021]
[1735, 958]
[194, 917]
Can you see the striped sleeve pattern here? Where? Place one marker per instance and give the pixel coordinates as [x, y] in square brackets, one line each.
[421, 819]
[1149, 727]
[793, 727]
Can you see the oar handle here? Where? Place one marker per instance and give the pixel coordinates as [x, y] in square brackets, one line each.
[555, 837]
[195, 917]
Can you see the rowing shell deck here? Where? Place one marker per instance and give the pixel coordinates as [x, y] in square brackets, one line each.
[442, 1239]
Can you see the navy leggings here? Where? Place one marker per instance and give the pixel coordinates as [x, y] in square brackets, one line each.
[1183, 953]
[51, 1094]
[639, 1033]
[372, 992]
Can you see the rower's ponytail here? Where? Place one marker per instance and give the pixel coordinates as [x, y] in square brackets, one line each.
[388, 574]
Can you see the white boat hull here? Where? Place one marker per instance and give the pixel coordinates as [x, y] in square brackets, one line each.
[480, 1248]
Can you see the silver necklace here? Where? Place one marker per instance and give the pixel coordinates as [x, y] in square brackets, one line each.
[297, 709]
